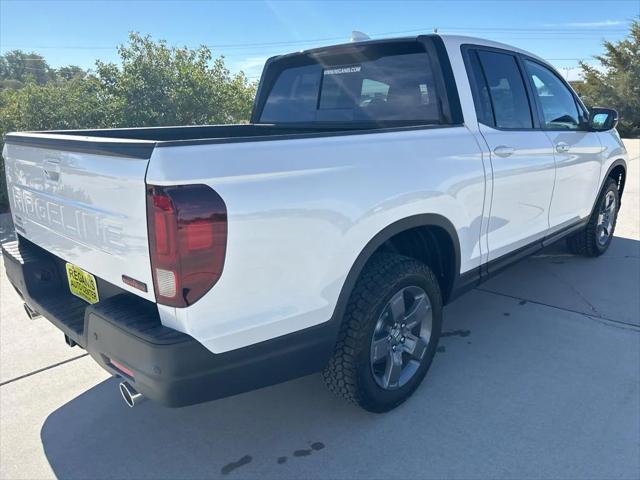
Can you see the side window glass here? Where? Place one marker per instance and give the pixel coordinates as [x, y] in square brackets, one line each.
[506, 90]
[559, 109]
[481, 97]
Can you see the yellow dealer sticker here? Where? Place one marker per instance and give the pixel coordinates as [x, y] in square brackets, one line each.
[82, 284]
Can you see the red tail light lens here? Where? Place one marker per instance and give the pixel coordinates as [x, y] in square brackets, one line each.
[187, 240]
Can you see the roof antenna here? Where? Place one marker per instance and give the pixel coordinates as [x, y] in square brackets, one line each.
[357, 36]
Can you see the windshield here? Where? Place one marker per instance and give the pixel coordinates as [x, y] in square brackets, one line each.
[398, 87]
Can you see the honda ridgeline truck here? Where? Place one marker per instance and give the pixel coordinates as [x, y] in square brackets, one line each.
[376, 182]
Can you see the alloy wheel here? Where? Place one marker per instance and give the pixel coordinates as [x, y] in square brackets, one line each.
[401, 338]
[606, 218]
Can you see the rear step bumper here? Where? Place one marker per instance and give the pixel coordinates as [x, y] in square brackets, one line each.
[123, 333]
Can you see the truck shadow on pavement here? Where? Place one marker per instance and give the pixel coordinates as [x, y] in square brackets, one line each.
[97, 436]
[515, 390]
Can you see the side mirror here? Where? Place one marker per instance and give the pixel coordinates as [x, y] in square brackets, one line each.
[602, 119]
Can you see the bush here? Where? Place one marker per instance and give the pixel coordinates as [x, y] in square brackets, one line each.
[616, 83]
[154, 85]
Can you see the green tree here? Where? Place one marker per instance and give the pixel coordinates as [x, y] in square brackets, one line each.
[160, 85]
[18, 67]
[77, 103]
[616, 84]
[153, 85]
[69, 72]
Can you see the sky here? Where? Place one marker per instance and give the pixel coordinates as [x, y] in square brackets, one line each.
[247, 32]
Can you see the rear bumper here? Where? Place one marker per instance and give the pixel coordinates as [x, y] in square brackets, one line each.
[163, 364]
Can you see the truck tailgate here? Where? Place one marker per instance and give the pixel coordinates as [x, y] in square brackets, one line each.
[83, 200]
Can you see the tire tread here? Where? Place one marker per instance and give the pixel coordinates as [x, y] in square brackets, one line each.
[341, 373]
[584, 242]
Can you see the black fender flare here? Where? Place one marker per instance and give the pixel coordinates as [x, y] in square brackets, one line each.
[615, 164]
[407, 223]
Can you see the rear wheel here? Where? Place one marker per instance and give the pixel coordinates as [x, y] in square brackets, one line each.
[389, 333]
[595, 238]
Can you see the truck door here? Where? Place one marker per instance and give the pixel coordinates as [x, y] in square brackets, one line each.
[577, 151]
[522, 157]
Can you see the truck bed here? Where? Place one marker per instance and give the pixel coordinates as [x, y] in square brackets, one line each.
[140, 142]
[192, 132]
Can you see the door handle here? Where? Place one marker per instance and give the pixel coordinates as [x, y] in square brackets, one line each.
[504, 151]
[562, 147]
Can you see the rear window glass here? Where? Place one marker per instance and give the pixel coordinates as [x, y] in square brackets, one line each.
[390, 88]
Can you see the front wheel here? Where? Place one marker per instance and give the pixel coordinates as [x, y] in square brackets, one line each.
[595, 238]
[389, 333]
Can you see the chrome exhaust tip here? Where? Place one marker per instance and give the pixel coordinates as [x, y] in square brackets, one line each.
[31, 313]
[130, 395]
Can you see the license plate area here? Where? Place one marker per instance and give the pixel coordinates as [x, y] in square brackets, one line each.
[82, 284]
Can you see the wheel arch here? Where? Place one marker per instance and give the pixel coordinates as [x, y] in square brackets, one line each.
[617, 171]
[431, 220]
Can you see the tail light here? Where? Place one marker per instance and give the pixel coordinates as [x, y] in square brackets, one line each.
[187, 239]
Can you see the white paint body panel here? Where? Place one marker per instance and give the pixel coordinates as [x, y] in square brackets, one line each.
[88, 209]
[612, 149]
[577, 176]
[300, 211]
[522, 188]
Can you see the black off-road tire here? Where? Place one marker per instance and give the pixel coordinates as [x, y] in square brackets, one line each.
[349, 373]
[585, 242]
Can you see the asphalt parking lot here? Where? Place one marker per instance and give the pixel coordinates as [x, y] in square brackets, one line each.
[537, 376]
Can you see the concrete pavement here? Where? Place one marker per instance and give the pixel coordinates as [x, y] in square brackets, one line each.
[538, 376]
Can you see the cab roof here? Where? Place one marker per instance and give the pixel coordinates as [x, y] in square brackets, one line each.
[448, 40]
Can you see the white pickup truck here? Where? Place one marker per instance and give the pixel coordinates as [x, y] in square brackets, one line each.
[376, 182]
